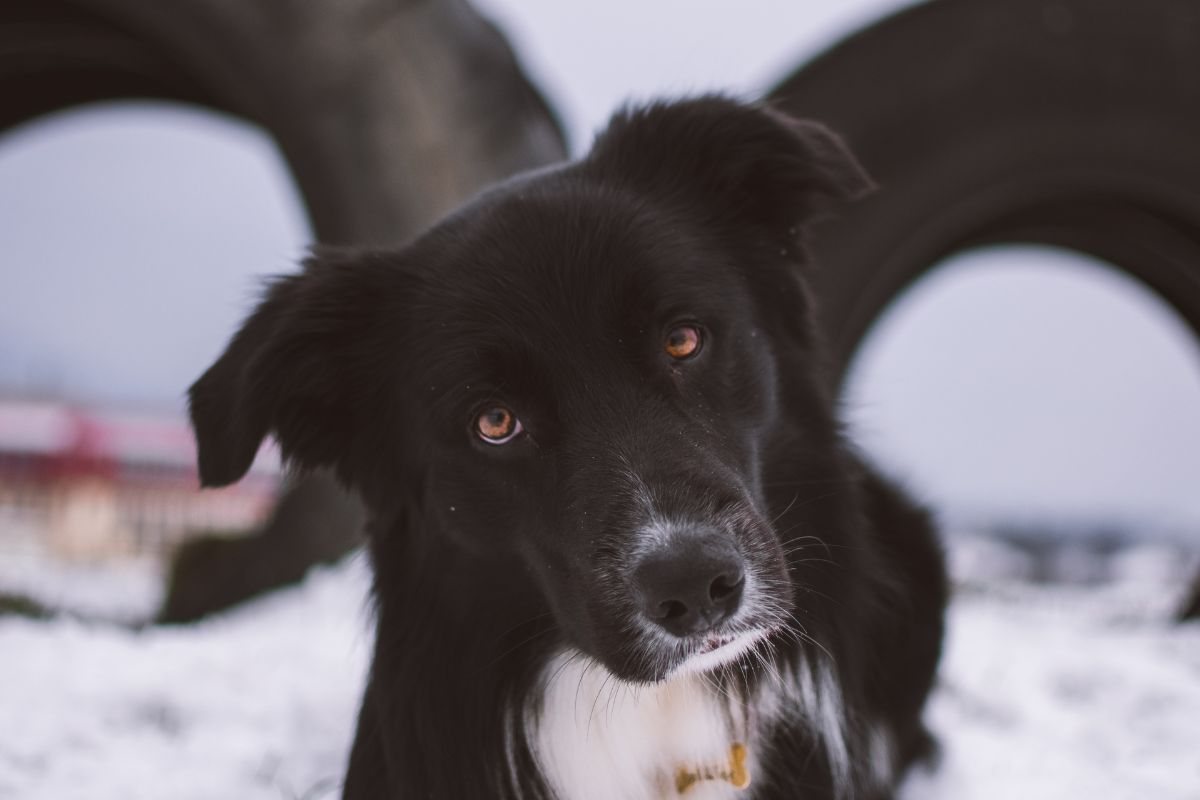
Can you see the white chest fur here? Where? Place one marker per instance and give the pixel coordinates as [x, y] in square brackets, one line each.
[599, 739]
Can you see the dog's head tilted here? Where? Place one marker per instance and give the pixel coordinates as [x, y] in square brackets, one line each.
[576, 381]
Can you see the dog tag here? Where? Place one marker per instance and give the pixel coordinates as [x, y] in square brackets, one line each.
[734, 772]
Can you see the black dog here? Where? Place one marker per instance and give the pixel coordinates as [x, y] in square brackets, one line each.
[621, 549]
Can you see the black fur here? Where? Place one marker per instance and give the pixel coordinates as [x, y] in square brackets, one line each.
[552, 294]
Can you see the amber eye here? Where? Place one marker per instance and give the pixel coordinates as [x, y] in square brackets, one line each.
[683, 341]
[497, 425]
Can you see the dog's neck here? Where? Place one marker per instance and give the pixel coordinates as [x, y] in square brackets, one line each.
[598, 738]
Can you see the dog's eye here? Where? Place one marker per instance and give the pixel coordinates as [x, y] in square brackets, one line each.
[497, 425]
[683, 342]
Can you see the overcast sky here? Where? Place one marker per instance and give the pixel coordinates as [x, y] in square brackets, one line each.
[1021, 381]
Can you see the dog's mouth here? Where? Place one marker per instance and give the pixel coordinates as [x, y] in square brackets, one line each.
[711, 643]
[712, 651]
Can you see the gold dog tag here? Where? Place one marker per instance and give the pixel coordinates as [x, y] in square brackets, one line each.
[735, 772]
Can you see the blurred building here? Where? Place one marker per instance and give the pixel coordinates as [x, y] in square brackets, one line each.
[85, 484]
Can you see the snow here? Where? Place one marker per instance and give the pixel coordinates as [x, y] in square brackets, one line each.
[1048, 690]
[1053, 692]
[127, 591]
[259, 703]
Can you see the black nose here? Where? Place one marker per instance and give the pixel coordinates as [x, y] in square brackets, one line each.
[692, 586]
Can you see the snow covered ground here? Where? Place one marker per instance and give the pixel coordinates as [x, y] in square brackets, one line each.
[1063, 692]
[258, 703]
[1048, 691]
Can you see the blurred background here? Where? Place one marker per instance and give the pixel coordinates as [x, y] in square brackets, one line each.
[1042, 399]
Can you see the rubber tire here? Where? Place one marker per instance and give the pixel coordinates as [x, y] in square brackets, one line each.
[1073, 123]
[388, 113]
[1063, 122]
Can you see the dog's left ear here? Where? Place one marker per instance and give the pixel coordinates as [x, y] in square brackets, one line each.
[750, 161]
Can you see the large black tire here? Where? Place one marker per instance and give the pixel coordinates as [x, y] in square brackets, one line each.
[1190, 610]
[388, 113]
[315, 524]
[1063, 122]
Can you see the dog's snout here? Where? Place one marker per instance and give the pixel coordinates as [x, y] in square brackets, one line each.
[691, 586]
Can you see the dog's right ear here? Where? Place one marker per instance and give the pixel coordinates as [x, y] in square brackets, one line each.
[747, 162]
[291, 370]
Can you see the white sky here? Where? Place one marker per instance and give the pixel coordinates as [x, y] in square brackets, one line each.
[131, 240]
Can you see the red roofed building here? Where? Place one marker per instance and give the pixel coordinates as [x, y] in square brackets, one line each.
[87, 484]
